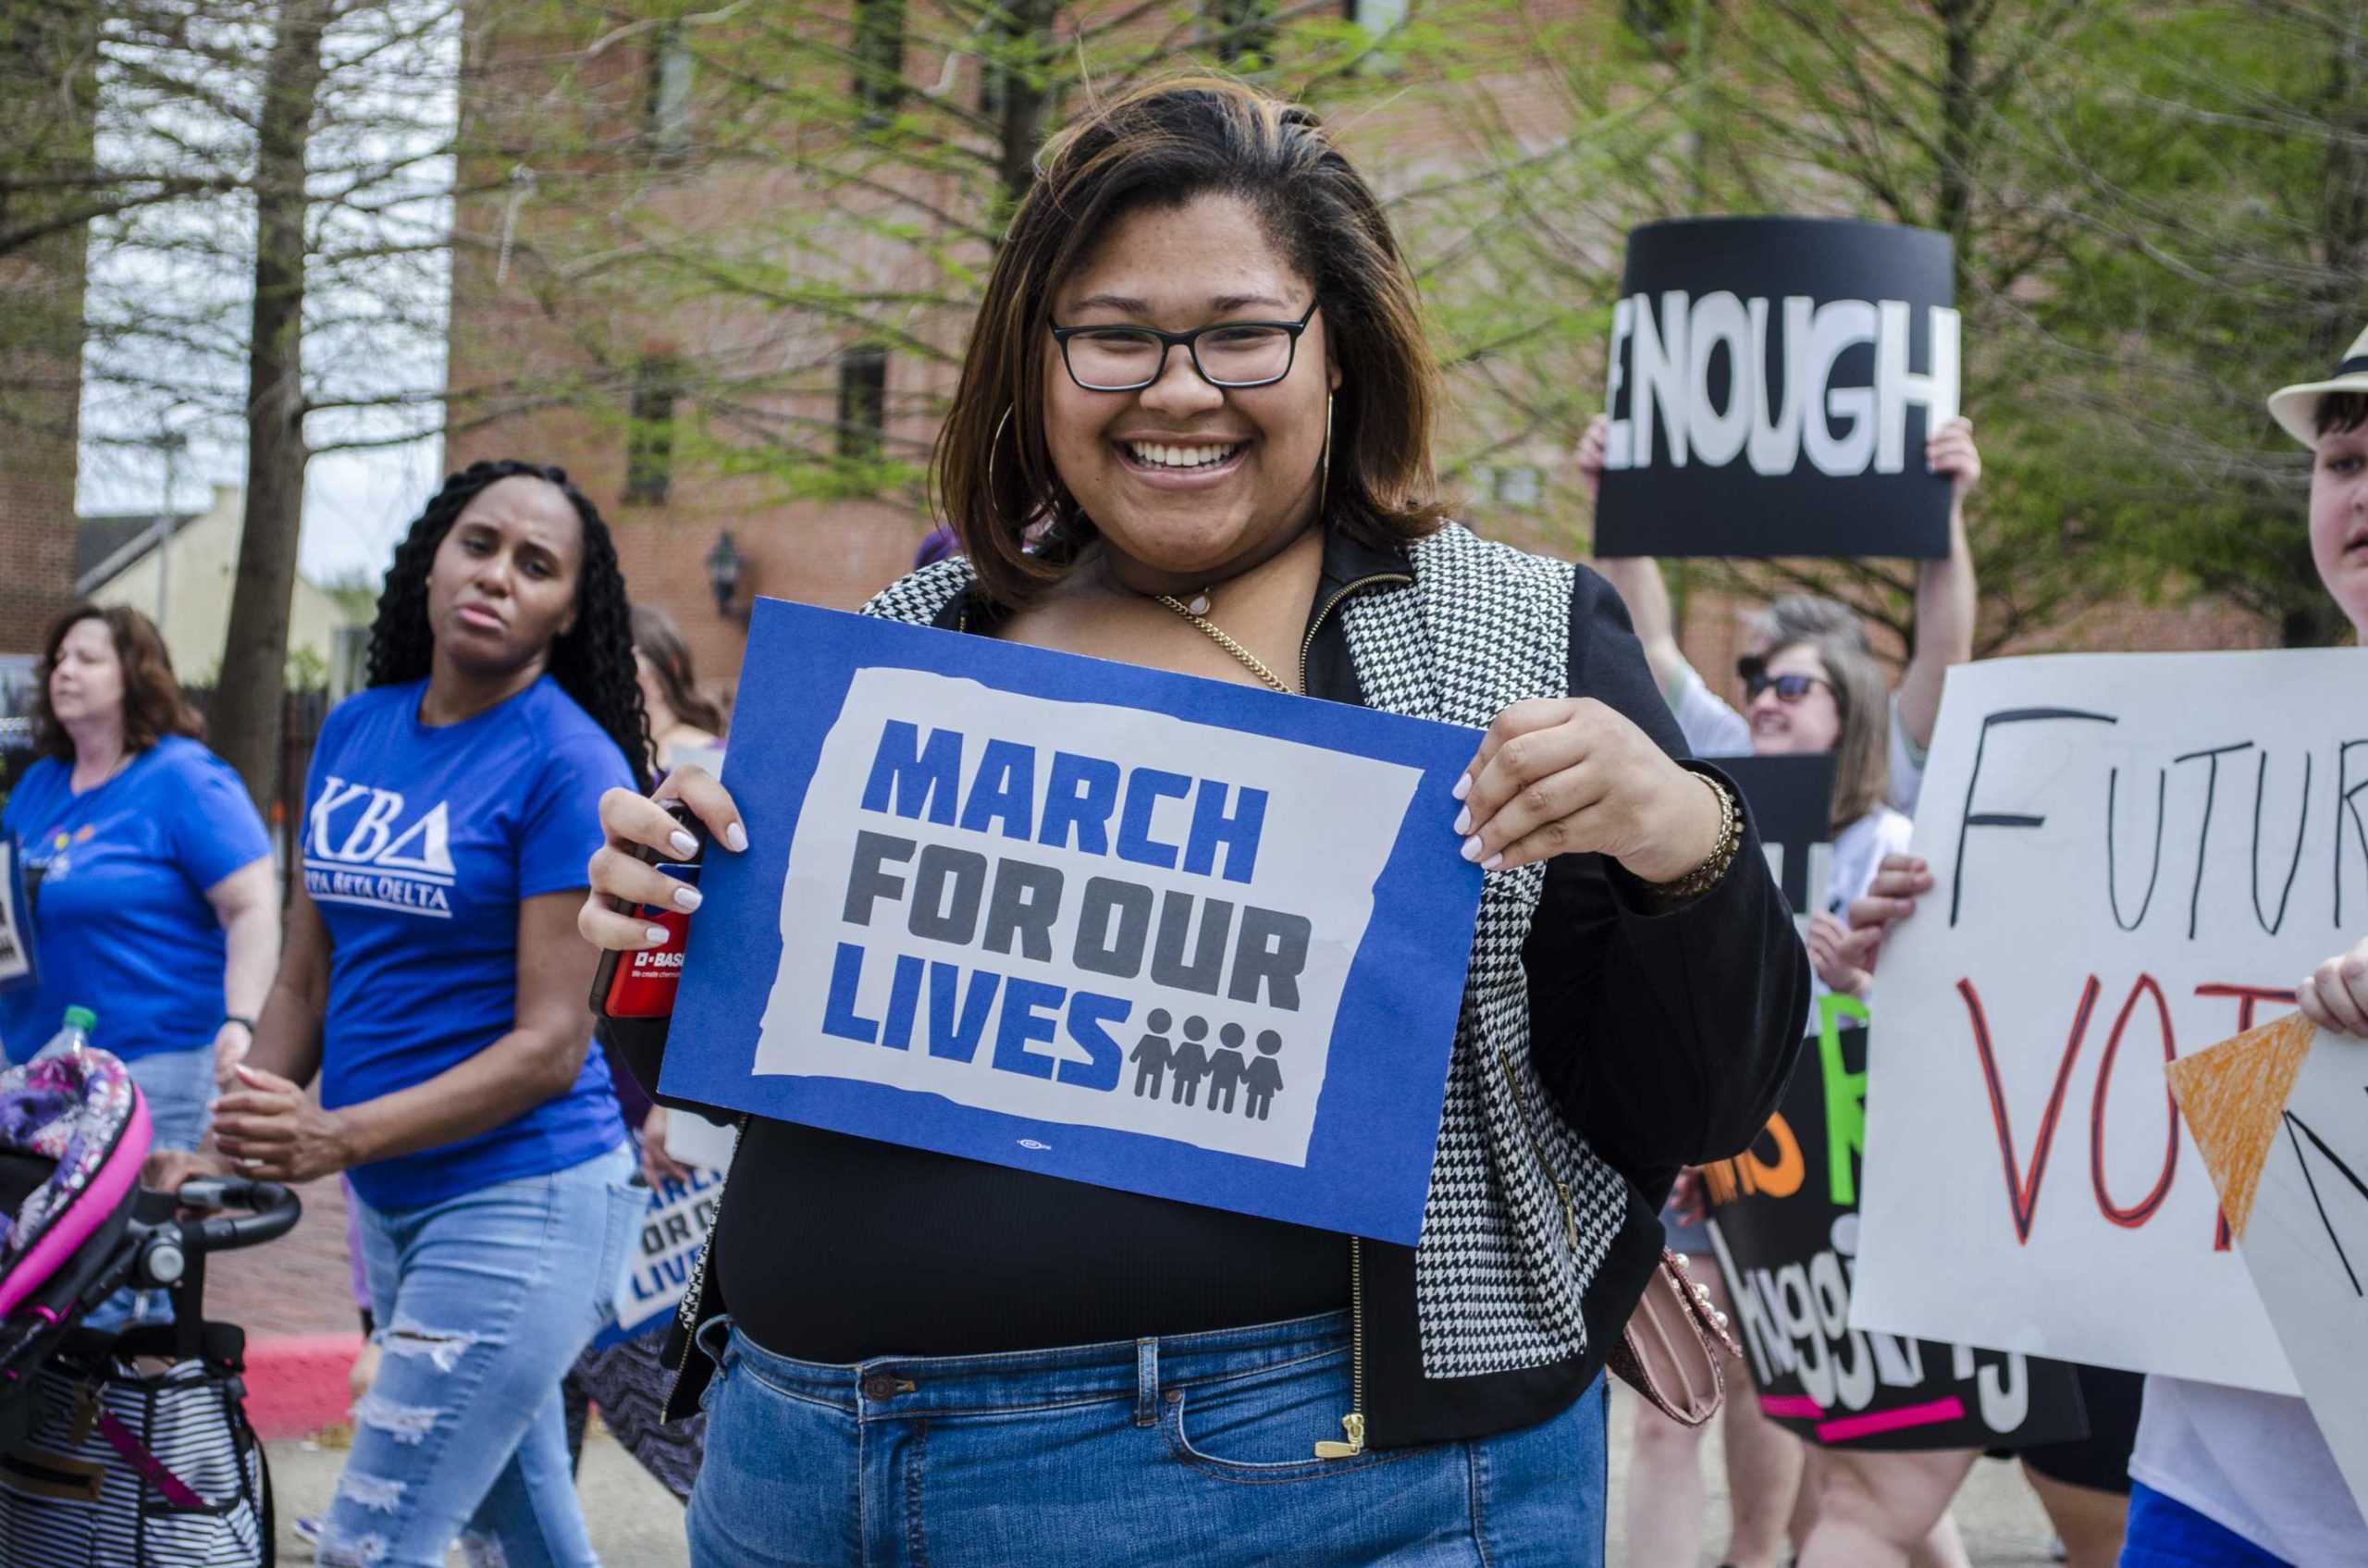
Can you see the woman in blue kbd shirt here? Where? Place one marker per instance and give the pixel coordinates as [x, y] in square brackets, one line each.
[435, 980]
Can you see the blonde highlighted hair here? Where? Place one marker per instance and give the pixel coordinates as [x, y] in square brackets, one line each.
[1862, 754]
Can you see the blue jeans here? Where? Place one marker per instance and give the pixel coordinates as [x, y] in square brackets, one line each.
[482, 1302]
[2166, 1533]
[179, 1087]
[1195, 1448]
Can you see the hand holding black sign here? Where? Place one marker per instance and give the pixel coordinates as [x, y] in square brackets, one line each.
[1773, 383]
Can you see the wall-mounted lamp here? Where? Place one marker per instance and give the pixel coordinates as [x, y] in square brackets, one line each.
[725, 566]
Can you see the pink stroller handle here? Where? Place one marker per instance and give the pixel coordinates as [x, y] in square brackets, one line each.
[116, 1178]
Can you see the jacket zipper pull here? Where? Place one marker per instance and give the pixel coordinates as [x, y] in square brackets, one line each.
[1353, 1424]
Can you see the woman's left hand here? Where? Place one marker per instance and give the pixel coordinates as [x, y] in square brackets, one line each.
[2336, 995]
[272, 1130]
[231, 1043]
[1834, 954]
[1572, 775]
[1951, 451]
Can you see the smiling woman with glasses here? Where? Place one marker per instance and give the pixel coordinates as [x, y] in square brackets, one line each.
[927, 1356]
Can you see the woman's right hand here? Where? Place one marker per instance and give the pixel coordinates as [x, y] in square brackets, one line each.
[621, 881]
[1592, 447]
[658, 1166]
[1889, 899]
[1689, 1196]
[166, 1169]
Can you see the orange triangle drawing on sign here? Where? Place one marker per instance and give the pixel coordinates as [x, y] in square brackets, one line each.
[2234, 1095]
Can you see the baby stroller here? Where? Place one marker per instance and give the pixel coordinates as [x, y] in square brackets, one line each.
[128, 1450]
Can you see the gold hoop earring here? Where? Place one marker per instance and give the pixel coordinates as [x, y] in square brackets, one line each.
[992, 445]
[1324, 472]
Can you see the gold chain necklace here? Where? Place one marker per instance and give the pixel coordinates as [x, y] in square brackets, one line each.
[1197, 613]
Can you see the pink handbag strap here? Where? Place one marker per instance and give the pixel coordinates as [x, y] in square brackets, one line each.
[135, 1453]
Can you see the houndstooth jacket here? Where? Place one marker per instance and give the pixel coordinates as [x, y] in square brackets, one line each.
[1500, 1281]
[1503, 1313]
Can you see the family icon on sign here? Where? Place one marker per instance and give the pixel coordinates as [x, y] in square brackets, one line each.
[1226, 1069]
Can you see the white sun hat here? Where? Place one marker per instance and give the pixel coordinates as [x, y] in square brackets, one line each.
[2297, 408]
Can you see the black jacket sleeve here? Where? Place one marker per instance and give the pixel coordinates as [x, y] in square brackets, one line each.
[1666, 1035]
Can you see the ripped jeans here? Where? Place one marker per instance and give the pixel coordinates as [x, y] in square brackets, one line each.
[482, 1302]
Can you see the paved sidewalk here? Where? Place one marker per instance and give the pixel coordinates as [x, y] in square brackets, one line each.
[294, 1297]
[299, 1284]
[2002, 1521]
[636, 1522]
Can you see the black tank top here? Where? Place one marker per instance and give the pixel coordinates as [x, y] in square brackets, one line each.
[839, 1248]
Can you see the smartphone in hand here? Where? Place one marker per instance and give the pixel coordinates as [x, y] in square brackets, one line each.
[642, 984]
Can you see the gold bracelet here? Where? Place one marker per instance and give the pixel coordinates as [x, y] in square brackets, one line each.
[1704, 877]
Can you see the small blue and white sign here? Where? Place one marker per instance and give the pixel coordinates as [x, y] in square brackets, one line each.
[15, 922]
[674, 1226]
[1132, 927]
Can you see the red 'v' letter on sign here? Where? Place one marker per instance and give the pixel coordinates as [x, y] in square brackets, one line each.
[2022, 1190]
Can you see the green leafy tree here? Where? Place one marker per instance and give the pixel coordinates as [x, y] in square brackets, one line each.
[2233, 260]
[879, 167]
[261, 188]
[2158, 214]
[1952, 115]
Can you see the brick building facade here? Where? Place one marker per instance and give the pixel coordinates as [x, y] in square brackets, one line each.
[624, 443]
[37, 499]
[510, 329]
[46, 123]
[512, 326]
[40, 395]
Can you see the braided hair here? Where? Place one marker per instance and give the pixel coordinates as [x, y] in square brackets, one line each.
[592, 662]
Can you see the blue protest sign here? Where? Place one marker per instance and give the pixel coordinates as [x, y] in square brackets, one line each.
[1132, 927]
[674, 1225]
[17, 967]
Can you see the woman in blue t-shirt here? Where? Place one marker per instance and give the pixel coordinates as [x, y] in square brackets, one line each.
[157, 906]
[435, 981]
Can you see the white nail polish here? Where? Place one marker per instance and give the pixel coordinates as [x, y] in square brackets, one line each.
[687, 898]
[656, 935]
[1463, 820]
[1492, 862]
[1472, 848]
[684, 845]
[1463, 785]
[735, 838]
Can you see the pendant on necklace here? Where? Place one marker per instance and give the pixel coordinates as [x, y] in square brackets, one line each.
[1198, 603]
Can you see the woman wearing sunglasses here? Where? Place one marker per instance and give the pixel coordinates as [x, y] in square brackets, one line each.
[1945, 608]
[1810, 685]
[1818, 694]
[1827, 695]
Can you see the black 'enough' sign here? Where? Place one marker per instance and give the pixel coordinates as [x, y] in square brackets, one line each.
[1772, 383]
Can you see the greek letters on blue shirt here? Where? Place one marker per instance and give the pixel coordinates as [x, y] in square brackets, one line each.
[420, 843]
[121, 922]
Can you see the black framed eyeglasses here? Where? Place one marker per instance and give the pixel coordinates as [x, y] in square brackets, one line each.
[1231, 354]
